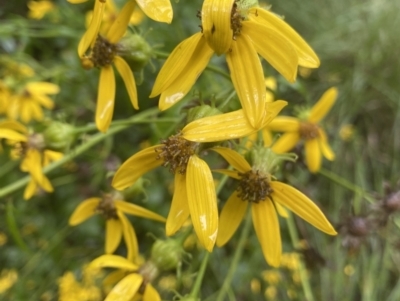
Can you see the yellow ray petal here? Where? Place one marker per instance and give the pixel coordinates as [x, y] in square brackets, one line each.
[137, 165]
[150, 293]
[202, 201]
[126, 288]
[233, 158]
[12, 135]
[286, 142]
[323, 106]
[300, 204]
[30, 189]
[281, 210]
[266, 225]
[158, 10]
[128, 78]
[307, 56]
[129, 237]
[113, 261]
[45, 184]
[137, 211]
[113, 235]
[313, 155]
[175, 63]
[45, 101]
[230, 173]
[91, 33]
[274, 48]
[216, 24]
[284, 124]
[42, 88]
[231, 216]
[105, 98]
[118, 28]
[179, 211]
[187, 77]
[272, 109]
[113, 277]
[13, 125]
[84, 210]
[326, 150]
[248, 79]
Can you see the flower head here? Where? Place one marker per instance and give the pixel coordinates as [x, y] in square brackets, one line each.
[258, 188]
[37, 9]
[307, 128]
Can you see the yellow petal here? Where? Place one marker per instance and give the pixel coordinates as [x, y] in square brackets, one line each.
[42, 88]
[274, 48]
[76, 1]
[216, 24]
[307, 56]
[231, 216]
[105, 98]
[129, 80]
[118, 28]
[188, 76]
[84, 210]
[137, 211]
[248, 79]
[91, 33]
[126, 288]
[313, 155]
[45, 101]
[13, 125]
[286, 142]
[284, 124]
[179, 211]
[113, 277]
[113, 235]
[233, 158]
[158, 10]
[281, 210]
[267, 137]
[129, 237]
[266, 225]
[326, 150]
[30, 189]
[12, 135]
[137, 165]
[150, 293]
[323, 106]
[300, 204]
[113, 261]
[202, 201]
[230, 173]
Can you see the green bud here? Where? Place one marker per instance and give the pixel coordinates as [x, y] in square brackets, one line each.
[166, 254]
[201, 111]
[135, 50]
[59, 136]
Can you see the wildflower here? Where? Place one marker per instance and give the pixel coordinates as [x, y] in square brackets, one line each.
[307, 128]
[104, 53]
[37, 9]
[113, 209]
[239, 32]
[7, 279]
[194, 192]
[256, 186]
[133, 281]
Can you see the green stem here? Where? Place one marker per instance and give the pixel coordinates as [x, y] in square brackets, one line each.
[302, 269]
[199, 279]
[78, 150]
[346, 184]
[236, 257]
[13, 228]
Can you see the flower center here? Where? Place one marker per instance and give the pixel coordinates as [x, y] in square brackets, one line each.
[308, 131]
[176, 152]
[254, 187]
[106, 207]
[103, 52]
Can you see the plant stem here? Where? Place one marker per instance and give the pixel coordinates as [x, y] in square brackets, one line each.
[302, 269]
[199, 279]
[13, 228]
[236, 257]
[77, 151]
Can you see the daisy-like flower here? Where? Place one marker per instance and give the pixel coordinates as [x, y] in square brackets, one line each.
[37, 9]
[27, 104]
[194, 192]
[113, 209]
[104, 54]
[230, 27]
[256, 186]
[306, 128]
[134, 281]
[158, 10]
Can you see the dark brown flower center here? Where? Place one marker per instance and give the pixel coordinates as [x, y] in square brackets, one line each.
[308, 130]
[103, 52]
[106, 207]
[254, 187]
[236, 21]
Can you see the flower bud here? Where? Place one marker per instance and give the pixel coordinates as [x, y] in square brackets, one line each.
[166, 254]
[135, 50]
[59, 136]
[201, 111]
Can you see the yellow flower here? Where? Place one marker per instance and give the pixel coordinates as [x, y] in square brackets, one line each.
[7, 279]
[37, 9]
[27, 104]
[306, 128]
[194, 192]
[5, 95]
[240, 33]
[133, 281]
[113, 210]
[105, 53]
[158, 10]
[257, 187]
